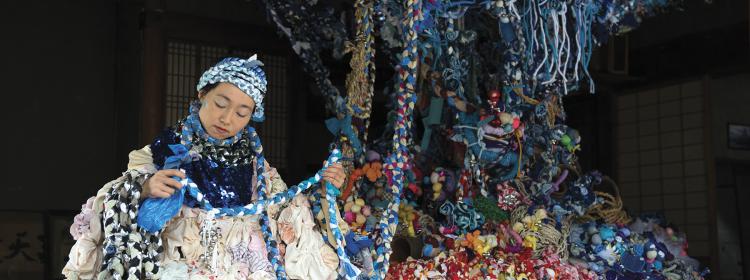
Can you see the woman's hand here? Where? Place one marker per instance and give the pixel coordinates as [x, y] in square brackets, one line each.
[162, 185]
[335, 175]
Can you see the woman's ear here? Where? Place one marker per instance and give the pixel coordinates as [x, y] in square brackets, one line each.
[202, 97]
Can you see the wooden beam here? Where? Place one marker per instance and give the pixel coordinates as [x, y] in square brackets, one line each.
[154, 65]
[710, 161]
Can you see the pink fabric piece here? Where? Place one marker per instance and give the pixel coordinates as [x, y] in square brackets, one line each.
[496, 131]
[257, 245]
[82, 221]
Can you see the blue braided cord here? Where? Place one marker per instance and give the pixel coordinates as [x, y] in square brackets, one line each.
[397, 161]
[261, 206]
[271, 246]
[257, 207]
[390, 219]
[348, 270]
[316, 208]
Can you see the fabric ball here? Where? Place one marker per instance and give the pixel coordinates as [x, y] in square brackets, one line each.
[366, 210]
[517, 227]
[506, 118]
[540, 214]
[427, 250]
[516, 123]
[607, 233]
[436, 187]
[372, 156]
[360, 202]
[565, 140]
[596, 239]
[349, 217]
[592, 229]
[434, 178]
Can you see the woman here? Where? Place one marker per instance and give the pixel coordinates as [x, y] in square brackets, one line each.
[122, 232]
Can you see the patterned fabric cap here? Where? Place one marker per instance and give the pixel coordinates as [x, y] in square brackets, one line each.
[246, 74]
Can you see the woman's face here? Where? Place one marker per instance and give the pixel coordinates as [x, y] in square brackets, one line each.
[225, 110]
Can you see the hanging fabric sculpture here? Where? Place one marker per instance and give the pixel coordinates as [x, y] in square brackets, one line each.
[504, 208]
[489, 191]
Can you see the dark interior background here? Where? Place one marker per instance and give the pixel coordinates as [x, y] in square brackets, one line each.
[84, 83]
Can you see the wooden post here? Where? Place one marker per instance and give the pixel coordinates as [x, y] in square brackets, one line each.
[710, 160]
[154, 62]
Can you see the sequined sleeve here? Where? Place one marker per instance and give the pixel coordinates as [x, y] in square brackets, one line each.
[160, 146]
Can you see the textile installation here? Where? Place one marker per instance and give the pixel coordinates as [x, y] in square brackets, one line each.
[476, 168]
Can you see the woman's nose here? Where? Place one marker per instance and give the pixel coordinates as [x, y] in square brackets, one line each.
[224, 117]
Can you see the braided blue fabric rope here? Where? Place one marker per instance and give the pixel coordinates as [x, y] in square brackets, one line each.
[348, 270]
[398, 161]
[262, 204]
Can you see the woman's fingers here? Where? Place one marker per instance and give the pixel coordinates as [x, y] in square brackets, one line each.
[336, 166]
[334, 174]
[162, 185]
[337, 182]
[331, 180]
[173, 173]
[327, 174]
[160, 193]
[172, 183]
[335, 169]
[167, 189]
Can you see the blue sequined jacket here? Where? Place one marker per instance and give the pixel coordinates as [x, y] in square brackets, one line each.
[225, 175]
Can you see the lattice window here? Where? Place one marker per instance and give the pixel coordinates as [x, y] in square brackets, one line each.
[187, 61]
[181, 80]
[661, 165]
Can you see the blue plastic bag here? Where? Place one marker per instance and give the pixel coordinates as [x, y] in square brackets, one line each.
[155, 212]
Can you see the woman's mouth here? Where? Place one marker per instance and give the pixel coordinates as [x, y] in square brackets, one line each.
[220, 130]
